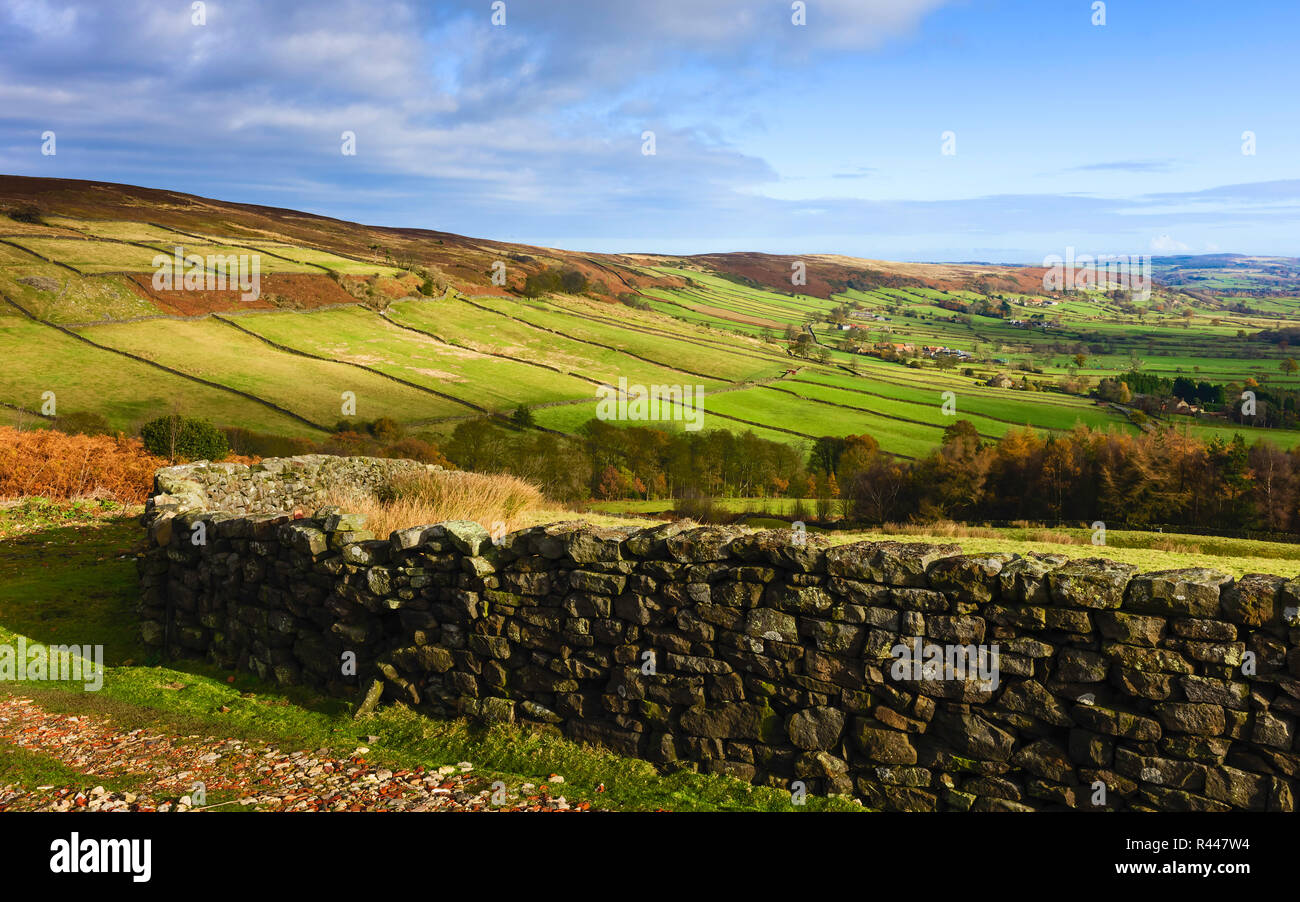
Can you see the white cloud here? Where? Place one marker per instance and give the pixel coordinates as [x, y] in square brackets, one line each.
[532, 129]
[41, 17]
[1164, 245]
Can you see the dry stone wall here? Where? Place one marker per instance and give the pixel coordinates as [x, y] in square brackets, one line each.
[277, 484]
[768, 656]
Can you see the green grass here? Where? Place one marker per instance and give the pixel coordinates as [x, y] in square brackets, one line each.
[773, 408]
[121, 230]
[470, 327]
[1201, 349]
[363, 336]
[723, 358]
[267, 263]
[71, 584]
[332, 262]
[36, 513]
[570, 417]
[40, 359]
[639, 507]
[94, 256]
[217, 352]
[1048, 411]
[30, 769]
[10, 255]
[68, 297]
[722, 296]
[1207, 431]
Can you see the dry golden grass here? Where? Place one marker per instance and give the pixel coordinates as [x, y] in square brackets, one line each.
[1175, 546]
[1053, 537]
[945, 529]
[495, 501]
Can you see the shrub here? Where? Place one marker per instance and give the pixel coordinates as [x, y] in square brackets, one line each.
[28, 213]
[522, 417]
[179, 438]
[350, 444]
[386, 429]
[799, 511]
[247, 443]
[1114, 390]
[555, 280]
[413, 448]
[824, 507]
[701, 509]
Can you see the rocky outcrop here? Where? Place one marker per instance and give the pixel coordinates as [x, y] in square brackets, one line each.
[910, 675]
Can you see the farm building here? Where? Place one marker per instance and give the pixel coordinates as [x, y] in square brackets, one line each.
[940, 351]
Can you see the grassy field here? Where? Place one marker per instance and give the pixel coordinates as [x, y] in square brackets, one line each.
[1204, 346]
[53, 293]
[87, 256]
[463, 324]
[127, 392]
[313, 389]
[363, 336]
[467, 349]
[120, 230]
[326, 260]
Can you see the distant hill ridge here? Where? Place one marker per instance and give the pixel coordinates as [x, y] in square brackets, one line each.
[468, 262]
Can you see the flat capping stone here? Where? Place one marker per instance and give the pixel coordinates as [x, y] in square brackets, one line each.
[794, 549]
[1189, 592]
[1092, 582]
[888, 562]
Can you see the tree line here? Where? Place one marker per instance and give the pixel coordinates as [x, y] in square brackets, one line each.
[1269, 406]
[1160, 476]
[1156, 477]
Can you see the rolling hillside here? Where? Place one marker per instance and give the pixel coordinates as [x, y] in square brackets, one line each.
[414, 325]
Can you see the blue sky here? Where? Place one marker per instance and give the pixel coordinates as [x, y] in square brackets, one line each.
[823, 138]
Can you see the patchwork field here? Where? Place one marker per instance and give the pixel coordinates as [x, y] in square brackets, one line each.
[411, 323]
[217, 352]
[366, 339]
[127, 392]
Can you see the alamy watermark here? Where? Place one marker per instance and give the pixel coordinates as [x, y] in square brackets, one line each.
[215, 272]
[1104, 272]
[58, 663]
[655, 402]
[922, 662]
[75, 855]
